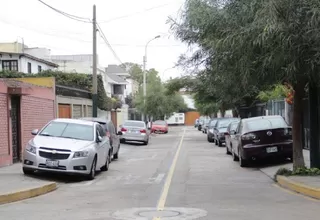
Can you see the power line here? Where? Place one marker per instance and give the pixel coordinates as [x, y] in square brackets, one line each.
[103, 36]
[74, 17]
[133, 14]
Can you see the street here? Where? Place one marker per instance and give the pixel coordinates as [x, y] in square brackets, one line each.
[199, 182]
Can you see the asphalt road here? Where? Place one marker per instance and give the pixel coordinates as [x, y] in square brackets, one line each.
[179, 173]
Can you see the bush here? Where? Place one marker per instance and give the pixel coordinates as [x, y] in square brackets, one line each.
[74, 80]
[298, 172]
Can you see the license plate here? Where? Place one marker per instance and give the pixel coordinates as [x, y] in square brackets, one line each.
[52, 163]
[272, 149]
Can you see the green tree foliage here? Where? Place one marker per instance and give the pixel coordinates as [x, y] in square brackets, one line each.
[277, 91]
[247, 46]
[74, 80]
[158, 102]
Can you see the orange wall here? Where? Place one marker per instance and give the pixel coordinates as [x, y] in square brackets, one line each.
[190, 117]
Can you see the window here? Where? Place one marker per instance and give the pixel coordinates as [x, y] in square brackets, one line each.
[159, 122]
[39, 69]
[134, 124]
[11, 65]
[101, 131]
[29, 68]
[266, 123]
[68, 130]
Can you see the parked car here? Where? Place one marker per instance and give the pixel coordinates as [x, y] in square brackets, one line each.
[134, 131]
[220, 129]
[260, 138]
[68, 146]
[232, 127]
[210, 132]
[196, 123]
[205, 126]
[201, 122]
[159, 126]
[111, 132]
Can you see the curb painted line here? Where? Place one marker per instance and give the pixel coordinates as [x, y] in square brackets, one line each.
[298, 187]
[28, 193]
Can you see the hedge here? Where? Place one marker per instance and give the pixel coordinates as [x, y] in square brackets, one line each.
[74, 80]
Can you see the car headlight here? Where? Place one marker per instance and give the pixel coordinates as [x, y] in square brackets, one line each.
[78, 154]
[30, 148]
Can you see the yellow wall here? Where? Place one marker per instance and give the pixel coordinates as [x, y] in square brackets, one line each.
[39, 81]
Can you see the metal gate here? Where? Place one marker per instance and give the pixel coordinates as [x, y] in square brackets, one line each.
[77, 111]
[15, 128]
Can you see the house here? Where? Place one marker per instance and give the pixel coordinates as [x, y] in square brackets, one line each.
[132, 86]
[17, 57]
[23, 107]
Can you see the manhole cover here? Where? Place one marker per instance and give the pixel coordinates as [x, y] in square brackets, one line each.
[154, 214]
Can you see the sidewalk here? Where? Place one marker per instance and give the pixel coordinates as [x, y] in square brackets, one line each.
[306, 185]
[15, 186]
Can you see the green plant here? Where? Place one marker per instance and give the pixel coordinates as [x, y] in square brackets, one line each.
[74, 80]
[301, 171]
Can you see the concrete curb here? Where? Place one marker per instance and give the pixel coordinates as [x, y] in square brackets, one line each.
[298, 187]
[27, 193]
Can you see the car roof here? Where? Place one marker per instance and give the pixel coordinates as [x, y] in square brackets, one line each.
[75, 121]
[100, 120]
[261, 117]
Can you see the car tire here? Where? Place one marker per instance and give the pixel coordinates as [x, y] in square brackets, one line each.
[234, 156]
[219, 143]
[146, 142]
[227, 151]
[107, 164]
[116, 155]
[209, 139]
[242, 162]
[27, 171]
[92, 173]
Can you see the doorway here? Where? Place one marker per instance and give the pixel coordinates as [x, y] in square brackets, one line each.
[15, 128]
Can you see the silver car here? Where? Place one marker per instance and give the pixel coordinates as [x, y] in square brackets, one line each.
[68, 146]
[134, 131]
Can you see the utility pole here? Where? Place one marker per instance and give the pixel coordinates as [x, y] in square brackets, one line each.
[94, 66]
[144, 83]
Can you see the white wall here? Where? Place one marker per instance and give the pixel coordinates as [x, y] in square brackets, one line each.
[42, 53]
[131, 87]
[23, 63]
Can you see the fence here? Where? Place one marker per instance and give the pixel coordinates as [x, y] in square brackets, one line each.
[276, 107]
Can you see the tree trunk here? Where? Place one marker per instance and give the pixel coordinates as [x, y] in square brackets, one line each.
[235, 113]
[298, 159]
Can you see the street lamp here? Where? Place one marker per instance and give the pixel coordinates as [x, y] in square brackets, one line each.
[145, 74]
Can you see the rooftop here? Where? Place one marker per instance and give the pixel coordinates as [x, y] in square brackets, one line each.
[32, 58]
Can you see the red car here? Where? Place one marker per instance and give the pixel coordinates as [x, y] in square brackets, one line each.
[159, 127]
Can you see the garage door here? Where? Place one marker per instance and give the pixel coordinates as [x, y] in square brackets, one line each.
[89, 111]
[77, 111]
[64, 111]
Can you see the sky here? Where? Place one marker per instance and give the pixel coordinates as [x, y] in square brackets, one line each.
[127, 24]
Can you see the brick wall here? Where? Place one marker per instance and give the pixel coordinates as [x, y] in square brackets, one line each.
[5, 157]
[35, 113]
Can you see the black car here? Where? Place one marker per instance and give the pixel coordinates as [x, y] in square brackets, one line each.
[220, 129]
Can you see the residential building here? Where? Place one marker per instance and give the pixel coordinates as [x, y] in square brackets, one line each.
[23, 107]
[132, 86]
[18, 57]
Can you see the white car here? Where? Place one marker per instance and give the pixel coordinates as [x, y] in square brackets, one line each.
[68, 146]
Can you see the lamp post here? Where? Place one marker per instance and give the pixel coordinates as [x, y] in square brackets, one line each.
[145, 74]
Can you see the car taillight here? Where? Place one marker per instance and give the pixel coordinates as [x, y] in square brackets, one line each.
[226, 133]
[248, 137]
[123, 129]
[143, 131]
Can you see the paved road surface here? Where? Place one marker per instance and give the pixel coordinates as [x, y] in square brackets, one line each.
[199, 182]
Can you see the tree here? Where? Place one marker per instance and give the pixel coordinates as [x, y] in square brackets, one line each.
[248, 45]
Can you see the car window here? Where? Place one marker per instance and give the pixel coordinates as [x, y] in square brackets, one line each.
[69, 130]
[134, 124]
[265, 123]
[224, 123]
[159, 123]
[233, 126]
[101, 130]
[213, 123]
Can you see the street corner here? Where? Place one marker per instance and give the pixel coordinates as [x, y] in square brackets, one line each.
[299, 187]
[178, 213]
[27, 193]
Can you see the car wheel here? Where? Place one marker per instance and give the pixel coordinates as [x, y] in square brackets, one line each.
[146, 142]
[116, 155]
[234, 156]
[107, 164]
[27, 171]
[227, 150]
[219, 143]
[92, 173]
[242, 162]
[209, 139]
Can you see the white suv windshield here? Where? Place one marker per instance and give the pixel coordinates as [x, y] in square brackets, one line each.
[68, 130]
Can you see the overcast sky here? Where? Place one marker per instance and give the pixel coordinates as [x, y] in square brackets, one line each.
[127, 24]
